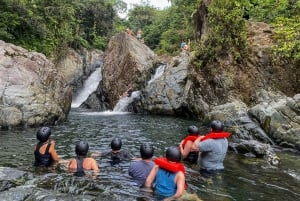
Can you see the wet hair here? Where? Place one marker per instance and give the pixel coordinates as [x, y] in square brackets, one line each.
[116, 144]
[173, 154]
[82, 148]
[217, 126]
[146, 151]
[43, 134]
[193, 130]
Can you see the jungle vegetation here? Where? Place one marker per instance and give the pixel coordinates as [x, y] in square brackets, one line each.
[52, 26]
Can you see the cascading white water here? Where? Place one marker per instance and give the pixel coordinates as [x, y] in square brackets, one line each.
[123, 102]
[158, 73]
[89, 86]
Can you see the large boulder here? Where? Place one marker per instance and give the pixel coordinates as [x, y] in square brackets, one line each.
[126, 61]
[32, 91]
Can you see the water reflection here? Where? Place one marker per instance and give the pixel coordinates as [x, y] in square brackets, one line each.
[243, 179]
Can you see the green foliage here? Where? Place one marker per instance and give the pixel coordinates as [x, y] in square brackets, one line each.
[269, 10]
[169, 42]
[227, 31]
[52, 26]
[164, 30]
[284, 16]
[287, 35]
[141, 16]
[100, 42]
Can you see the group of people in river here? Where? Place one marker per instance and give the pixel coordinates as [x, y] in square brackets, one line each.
[166, 175]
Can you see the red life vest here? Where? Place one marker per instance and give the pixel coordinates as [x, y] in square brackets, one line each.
[169, 166]
[189, 138]
[213, 135]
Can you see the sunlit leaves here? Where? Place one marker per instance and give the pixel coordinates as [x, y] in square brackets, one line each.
[287, 36]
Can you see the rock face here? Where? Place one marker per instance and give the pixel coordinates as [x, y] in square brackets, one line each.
[167, 94]
[279, 116]
[126, 61]
[265, 117]
[76, 68]
[32, 91]
[78, 65]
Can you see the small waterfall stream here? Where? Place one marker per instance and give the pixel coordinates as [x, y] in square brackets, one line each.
[158, 73]
[90, 85]
[123, 102]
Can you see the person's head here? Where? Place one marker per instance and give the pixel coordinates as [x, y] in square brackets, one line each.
[82, 148]
[146, 151]
[43, 134]
[173, 154]
[116, 144]
[193, 130]
[217, 126]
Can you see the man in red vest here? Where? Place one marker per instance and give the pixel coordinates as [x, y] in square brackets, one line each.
[213, 148]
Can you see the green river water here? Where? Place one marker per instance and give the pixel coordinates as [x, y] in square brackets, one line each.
[243, 179]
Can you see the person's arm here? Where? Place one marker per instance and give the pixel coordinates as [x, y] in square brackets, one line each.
[186, 149]
[52, 151]
[151, 176]
[180, 183]
[195, 145]
[70, 164]
[95, 154]
[127, 155]
[94, 165]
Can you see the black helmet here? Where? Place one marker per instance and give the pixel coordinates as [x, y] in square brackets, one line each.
[216, 126]
[193, 130]
[82, 148]
[116, 144]
[43, 134]
[173, 154]
[146, 151]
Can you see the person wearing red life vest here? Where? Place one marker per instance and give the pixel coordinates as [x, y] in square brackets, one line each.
[213, 148]
[187, 153]
[168, 174]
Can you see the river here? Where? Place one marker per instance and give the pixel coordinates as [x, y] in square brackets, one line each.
[243, 179]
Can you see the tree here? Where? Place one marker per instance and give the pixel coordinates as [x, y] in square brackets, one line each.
[227, 31]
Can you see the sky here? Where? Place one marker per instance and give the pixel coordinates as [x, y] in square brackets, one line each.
[156, 3]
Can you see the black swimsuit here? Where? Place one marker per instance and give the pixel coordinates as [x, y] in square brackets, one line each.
[80, 171]
[42, 159]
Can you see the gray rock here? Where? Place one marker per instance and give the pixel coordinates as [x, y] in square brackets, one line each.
[280, 119]
[253, 148]
[10, 177]
[32, 91]
[167, 93]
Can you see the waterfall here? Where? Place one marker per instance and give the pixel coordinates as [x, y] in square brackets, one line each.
[89, 86]
[158, 72]
[123, 102]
